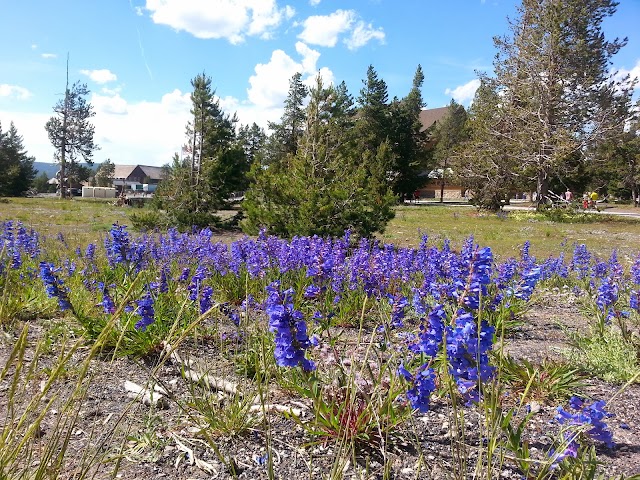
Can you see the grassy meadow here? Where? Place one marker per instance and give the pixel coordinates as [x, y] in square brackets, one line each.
[214, 355]
[84, 219]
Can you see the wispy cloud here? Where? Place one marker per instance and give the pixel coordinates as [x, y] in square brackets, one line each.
[14, 92]
[144, 58]
[49, 55]
[100, 76]
[363, 34]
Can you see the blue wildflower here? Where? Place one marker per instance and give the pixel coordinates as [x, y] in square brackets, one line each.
[423, 385]
[145, 311]
[54, 286]
[290, 330]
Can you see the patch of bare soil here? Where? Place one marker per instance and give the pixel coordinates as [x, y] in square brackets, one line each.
[168, 443]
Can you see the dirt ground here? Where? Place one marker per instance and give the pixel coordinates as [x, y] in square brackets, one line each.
[166, 443]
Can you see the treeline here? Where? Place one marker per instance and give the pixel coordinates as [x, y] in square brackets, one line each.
[329, 164]
[553, 117]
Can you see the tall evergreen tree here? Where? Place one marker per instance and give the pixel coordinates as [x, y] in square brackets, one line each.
[326, 187]
[409, 142]
[202, 183]
[487, 166]
[287, 132]
[374, 119]
[557, 91]
[448, 135]
[253, 140]
[71, 132]
[15, 164]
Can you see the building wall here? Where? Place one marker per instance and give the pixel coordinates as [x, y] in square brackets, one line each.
[432, 190]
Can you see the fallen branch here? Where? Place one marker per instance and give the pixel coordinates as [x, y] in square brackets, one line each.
[153, 397]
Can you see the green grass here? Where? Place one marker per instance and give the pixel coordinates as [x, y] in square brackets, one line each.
[607, 356]
[78, 220]
[506, 234]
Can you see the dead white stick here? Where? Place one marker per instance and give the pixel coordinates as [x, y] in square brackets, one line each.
[148, 397]
[196, 376]
[274, 407]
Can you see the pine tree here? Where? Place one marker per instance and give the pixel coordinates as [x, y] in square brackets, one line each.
[287, 132]
[326, 187]
[104, 175]
[16, 166]
[71, 132]
[557, 91]
[448, 134]
[487, 166]
[199, 185]
[374, 119]
[409, 142]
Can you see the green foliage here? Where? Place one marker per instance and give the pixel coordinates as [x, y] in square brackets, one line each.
[327, 187]
[486, 164]
[605, 354]
[548, 381]
[147, 220]
[222, 416]
[71, 133]
[558, 92]
[105, 173]
[16, 166]
[448, 134]
[216, 167]
[347, 412]
[41, 185]
[288, 131]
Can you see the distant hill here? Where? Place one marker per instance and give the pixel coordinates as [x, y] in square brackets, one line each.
[51, 168]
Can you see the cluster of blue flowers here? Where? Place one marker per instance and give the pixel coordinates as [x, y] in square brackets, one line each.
[145, 311]
[289, 328]
[423, 384]
[589, 418]
[16, 241]
[54, 286]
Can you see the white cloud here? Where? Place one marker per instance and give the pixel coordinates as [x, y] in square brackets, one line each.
[270, 84]
[147, 132]
[463, 94]
[230, 19]
[314, 3]
[324, 30]
[634, 73]
[14, 92]
[100, 76]
[34, 46]
[363, 34]
[109, 104]
[49, 55]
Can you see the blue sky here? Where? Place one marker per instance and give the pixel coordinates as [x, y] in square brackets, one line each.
[138, 57]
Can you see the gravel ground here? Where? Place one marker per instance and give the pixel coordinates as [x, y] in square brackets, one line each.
[167, 443]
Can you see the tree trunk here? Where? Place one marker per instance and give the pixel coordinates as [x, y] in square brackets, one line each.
[542, 188]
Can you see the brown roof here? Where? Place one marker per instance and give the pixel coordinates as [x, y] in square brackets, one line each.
[154, 173]
[431, 116]
[123, 171]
